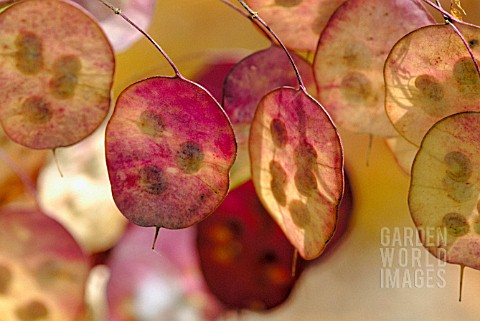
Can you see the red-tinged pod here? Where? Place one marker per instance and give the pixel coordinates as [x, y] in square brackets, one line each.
[350, 56]
[297, 22]
[169, 148]
[245, 257]
[43, 270]
[297, 167]
[429, 75]
[247, 83]
[56, 73]
[444, 190]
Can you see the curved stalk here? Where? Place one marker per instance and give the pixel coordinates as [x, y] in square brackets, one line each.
[254, 15]
[118, 11]
[450, 19]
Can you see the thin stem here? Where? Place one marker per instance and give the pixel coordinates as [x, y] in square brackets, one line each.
[118, 11]
[462, 268]
[157, 229]
[231, 5]
[294, 262]
[55, 158]
[439, 8]
[369, 149]
[450, 19]
[447, 19]
[446, 13]
[254, 15]
[467, 46]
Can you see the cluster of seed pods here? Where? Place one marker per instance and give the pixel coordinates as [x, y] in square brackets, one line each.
[240, 238]
[172, 171]
[415, 83]
[170, 146]
[55, 84]
[432, 99]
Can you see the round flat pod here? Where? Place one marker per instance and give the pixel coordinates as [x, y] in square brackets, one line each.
[429, 75]
[43, 271]
[350, 56]
[245, 257]
[169, 149]
[445, 189]
[297, 167]
[56, 73]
